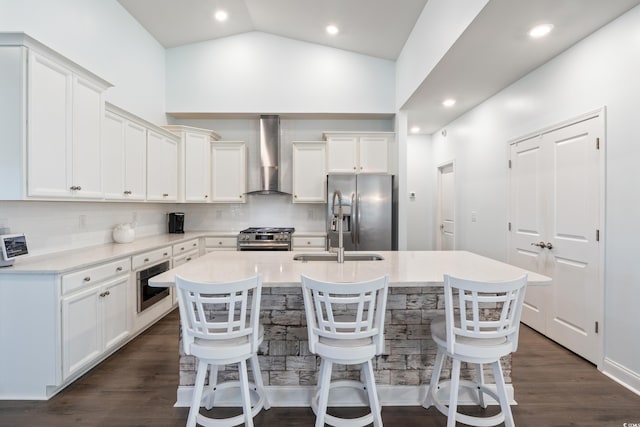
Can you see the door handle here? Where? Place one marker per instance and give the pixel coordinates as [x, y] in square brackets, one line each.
[359, 218]
[354, 223]
[543, 245]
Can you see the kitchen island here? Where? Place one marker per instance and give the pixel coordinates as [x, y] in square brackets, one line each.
[415, 298]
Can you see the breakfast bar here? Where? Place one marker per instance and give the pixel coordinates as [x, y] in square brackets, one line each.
[415, 298]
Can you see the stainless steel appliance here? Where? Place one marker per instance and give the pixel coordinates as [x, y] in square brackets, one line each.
[265, 239]
[149, 295]
[367, 211]
[176, 222]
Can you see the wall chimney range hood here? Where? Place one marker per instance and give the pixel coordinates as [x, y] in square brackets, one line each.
[269, 156]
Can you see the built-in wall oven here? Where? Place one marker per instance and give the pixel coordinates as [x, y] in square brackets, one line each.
[265, 239]
[149, 295]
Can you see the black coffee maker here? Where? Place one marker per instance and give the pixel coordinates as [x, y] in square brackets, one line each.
[176, 222]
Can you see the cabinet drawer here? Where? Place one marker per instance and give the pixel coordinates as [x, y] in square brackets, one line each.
[184, 258]
[150, 257]
[181, 248]
[308, 242]
[221, 242]
[90, 276]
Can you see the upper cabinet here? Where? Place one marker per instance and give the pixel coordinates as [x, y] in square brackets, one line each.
[124, 156]
[51, 113]
[358, 152]
[162, 166]
[194, 163]
[309, 172]
[229, 172]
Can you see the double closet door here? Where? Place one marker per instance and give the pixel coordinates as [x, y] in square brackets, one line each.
[556, 194]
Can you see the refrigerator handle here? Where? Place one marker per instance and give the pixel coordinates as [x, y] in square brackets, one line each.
[353, 226]
[358, 223]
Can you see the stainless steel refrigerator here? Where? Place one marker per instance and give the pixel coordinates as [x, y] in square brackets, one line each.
[368, 210]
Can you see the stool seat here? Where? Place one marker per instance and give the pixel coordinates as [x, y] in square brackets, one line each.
[220, 326]
[345, 323]
[467, 334]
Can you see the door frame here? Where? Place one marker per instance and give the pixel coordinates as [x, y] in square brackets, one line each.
[439, 168]
[600, 114]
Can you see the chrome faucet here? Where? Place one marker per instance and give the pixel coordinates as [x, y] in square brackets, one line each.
[340, 249]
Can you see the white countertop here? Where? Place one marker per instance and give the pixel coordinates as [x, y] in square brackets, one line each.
[405, 268]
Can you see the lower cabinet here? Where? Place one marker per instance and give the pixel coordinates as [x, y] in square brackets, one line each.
[310, 243]
[94, 320]
[220, 243]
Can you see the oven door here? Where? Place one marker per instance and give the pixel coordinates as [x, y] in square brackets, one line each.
[264, 246]
[149, 295]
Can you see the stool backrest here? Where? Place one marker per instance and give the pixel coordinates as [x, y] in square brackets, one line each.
[345, 310]
[219, 311]
[502, 299]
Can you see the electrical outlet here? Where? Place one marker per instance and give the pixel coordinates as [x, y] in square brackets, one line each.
[82, 221]
[135, 217]
[474, 216]
[310, 214]
[218, 213]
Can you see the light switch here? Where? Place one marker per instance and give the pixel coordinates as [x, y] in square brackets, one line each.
[474, 216]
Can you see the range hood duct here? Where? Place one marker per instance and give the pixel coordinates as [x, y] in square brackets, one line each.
[269, 156]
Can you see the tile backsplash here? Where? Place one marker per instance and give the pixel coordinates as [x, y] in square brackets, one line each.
[56, 226]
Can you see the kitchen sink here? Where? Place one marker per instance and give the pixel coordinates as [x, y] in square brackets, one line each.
[334, 257]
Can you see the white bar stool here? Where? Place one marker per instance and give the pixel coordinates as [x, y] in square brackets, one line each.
[220, 326]
[345, 323]
[467, 335]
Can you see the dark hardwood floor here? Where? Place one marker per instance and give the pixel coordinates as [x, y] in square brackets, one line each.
[137, 387]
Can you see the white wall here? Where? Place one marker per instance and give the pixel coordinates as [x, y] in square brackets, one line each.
[436, 30]
[601, 70]
[259, 72]
[421, 180]
[101, 36]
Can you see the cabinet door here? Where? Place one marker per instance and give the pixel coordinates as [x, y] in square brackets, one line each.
[135, 162]
[81, 340]
[113, 156]
[88, 110]
[309, 172]
[197, 167]
[49, 128]
[162, 168]
[342, 154]
[229, 172]
[373, 155]
[115, 311]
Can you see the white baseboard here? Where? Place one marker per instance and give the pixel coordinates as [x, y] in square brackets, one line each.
[622, 375]
[300, 396]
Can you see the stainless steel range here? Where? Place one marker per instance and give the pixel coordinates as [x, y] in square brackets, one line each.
[265, 239]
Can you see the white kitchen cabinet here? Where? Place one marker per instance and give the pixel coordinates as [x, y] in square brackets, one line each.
[228, 172]
[94, 314]
[308, 242]
[356, 152]
[124, 157]
[51, 113]
[194, 163]
[162, 166]
[223, 242]
[309, 172]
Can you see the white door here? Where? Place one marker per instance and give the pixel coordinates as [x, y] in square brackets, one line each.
[197, 167]
[342, 154]
[113, 156]
[81, 339]
[556, 214]
[115, 311]
[309, 172]
[446, 208]
[135, 162]
[229, 172]
[373, 154]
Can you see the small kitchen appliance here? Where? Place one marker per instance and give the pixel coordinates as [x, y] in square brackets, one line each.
[12, 246]
[265, 239]
[176, 222]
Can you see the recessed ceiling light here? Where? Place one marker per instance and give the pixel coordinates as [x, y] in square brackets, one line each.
[540, 30]
[332, 29]
[449, 102]
[221, 15]
[415, 129]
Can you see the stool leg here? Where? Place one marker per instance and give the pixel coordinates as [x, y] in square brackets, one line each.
[430, 399]
[374, 402]
[324, 383]
[502, 394]
[257, 378]
[453, 398]
[246, 394]
[213, 382]
[480, 381]
[196, 399]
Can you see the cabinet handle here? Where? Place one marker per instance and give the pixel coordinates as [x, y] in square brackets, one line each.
[165, 254]
[78, 188]
[165, 195]
[87, 279]
[354, 168]
[75, 187]
[206, 196]
[104, 294]
[119, 269]
[308, 243]
[182, 248]
[219, 243]
[188, 259]
[361, 167]
[146, 260]
[127, 192]
[295, 196]
[194, 245]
